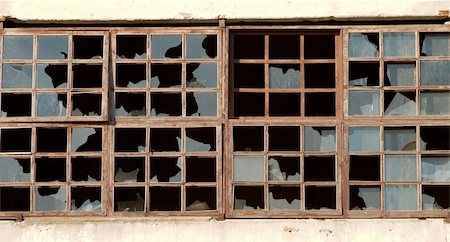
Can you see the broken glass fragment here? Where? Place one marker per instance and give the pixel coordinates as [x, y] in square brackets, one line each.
[201, 104]
[129, 140]
[320, 198]
[131, 46]
[50, 169]
[435, 168]
[435, 137]
[364, 138]
[129, 169]
[248, 138]
[17, 75]
[399, 103]
[201, 46]
[284, 168]
[320, 75]
[14, 169]
[166, 46]
[248, 168]
[435, 197]
[86, 199]
[131, 75]
[51, 139]
[165, 75]
[284, 47]
[400, 197]
[434, 102]
[400, 74]
[86, 139]
[201, 75]
[200, 169]
[399, 44]
[51, 104]
[129, 199]
[15, 140]
[400, 168]
[14, 199]
[399, 138]
[363, 45]
[201, 198]
[320, 104]
[435, 73]
[283, 104]
[248, 75]
[15, 105]
[51, 76]
[284, 138]
[52, 47]
[284, 198]
[319, 168]
[284, 76]
[319, 46]
[364, 103]
[364, 74]
[248, 198]
[50, 199]
[87, 47]
[17, 47]
[435, 44]
[248, 46]
[87, 169]
[165, 169]
[165, 104]
[200, 139]
[165, 198]
[364, 168]
[320, 139]
[86, 104]
[365, 197]
[130, 104]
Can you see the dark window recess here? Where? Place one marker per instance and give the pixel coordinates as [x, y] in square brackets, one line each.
[284, 138]
[86, 198]
[320, 75]
[14, 199]
[435, 137]
[320, 168]
[131, 46]
[364, 168]
[87, 104]
[248, 47]
[50, 169]
[132, 103]
[129, 199]
[166, 104]
[358, 202]
[165, 139]
[15, 140]
[284, 104]
[166, 75]
[248, 76]
[284, 47]
[93, 142]
[201, 198]
[245, 197]
[286, 165]
[86, 169]
[87, 47]
[204, 136]
[58, 74]
[129, 169]
[288, 193]
[248, 104]
[441, 195]
[320, 104]
[129, 140]
[16, 105]
[320, 197]
[200, 169]
[165, 169]
[87, 76]
[129, 75]
[319, 47]
[165, 198]
[51, 139]
[364, 74]
[248, 138]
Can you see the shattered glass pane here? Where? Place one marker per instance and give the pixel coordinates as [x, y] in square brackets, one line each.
[165, 104]
[86, 139]
[51, 76]
[365, 197]
[201, 198]
[400, 168]
[17, 47]
[284, 198]
[363, 45]
[248, 138]
[131, 46]
[364, 168]
[399, 44]
[435, 73]
[364, 138]
[248, 168]
[14, 199]
[399, 103]
[17, 75]
[201, 104]
[165, 169]
[131, 75]
[165, 198]
[53, 47]
[284, 46]
[15, 140]
[248, 75]
[400, 197]
[435, 168]
[86, 169]
[200, 139]
[364, 103]
[15, 105]
[284, 76]
[50, 169]
[201, 75]
[364, 74]
[84, 199]
[166, 46]
[320, 139]
[166, 75]
[87, 47]
[400, 74]
[130, 104]
[284, 168]
[319, 168]
[320, 198]
[50, 199]
[284, 138]
[14, 169]
[399, 138]
[51, 104]
[200, 169]
[435, 197]
[165, 139]
[86, 104]
[129, 199]
[435, 137]
[201, 46]
[249, 46]
[129, 169]
[435, 44]
[434, 102]
[248, 198]
[129, 140]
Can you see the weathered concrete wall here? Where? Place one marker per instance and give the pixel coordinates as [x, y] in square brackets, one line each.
[213, 9]
[185, 229]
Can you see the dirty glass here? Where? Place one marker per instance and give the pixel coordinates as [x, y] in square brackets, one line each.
[200, 139]
[51, 76]
[284, 198]
[400, 74]
[201, 104]
[86, 139]
[131, 75]
[399, 44]
[50, 198]
[51, 104]
[52, 47]
[201, 198]
[365, 197]
[435, 168]
[165, 198]
[84, 199]
[200, 75]
[129, 199]
[248, 168]
[435, 73]
[400, 168]
[284, 168]
[165, 169]
[364, 168]
[248, 197]
[201, 46]
[364, 103]
[284, 76]
[320, 139]
[364, 138]
[16, 75]
[129, 169]
[17, 47]
[399, 103]
[435, 44]
[248, 138]
[399, 138]
[434, 102]
[319, 168]
[130, 104]
[400, 197]
[363, 45]
[166, 75]
[14, 169]
[166, 46]
[131, 46]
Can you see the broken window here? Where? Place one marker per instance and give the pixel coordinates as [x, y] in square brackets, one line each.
[50, 199]
[85, 199]
[14, 199]
[131, 46]
[14, 169]
[363, 45]
[435, 44]
[399, 44]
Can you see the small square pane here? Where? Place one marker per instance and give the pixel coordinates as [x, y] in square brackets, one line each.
[165, 75]
[284, 46]
[365, 197]
[435, 44]
[400, 168]
[434, 102]
[166, 46]
[399, 44]
[130, 104]
[86, 139]
[283, 168]
[249, 46]
[51, 76]
[201, 198]
[86, 105]
[131, 46]
[201, 75]
[50, 199]
[363, 45]
[400, 197]
[248, 168]
[129, 199]
[87, 47]
[364, 103]
[165, 198]
[399, 103]
[53, 47]
[166, 169]
[248, 198]
[435, 168]
[16, 75]
[400, 138]
[435, 73]
[86, 199]
[131, 75]
[284, 198]
[129, 169]
[17, 47]
[399, 74]
[200, 139]
[284, 76]
[320, 139]
[364, 138]
[51, 104]
[201, 46]
[14, 169]
[201, 104]
[435, 197]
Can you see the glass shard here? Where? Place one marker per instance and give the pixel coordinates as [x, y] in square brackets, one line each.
[166, 46]
[435, 44]
[399, 44]
[284, 168]
[284, 76]
[248, 198]
[320, 198]
[399, 103]
[364, 138]
[248, 168]
[15, 105]
[200, 139]
[50, 199]
[248, 138]
[131, 75]
[16, 75]
[363, 45]
[248, 47]
[435, 137]
[51, 104]
[399, 74]
[364, 168]
[435, 168]
[284, 47]
[320, 139]
[320, 104]
[165, 139]
[435, 73]
[14, 199]
[249, 75]
[87, 47]
[284, 104]
[14, 169]
[364, 74]
[284, 138]
[129, 199]
[319, 168]
[165, 198]
[15, 140]
[201, 46]
[365, 197]
[86, 139]
[51, 139]
[131, 46]
[432, 102]
[165, 104]
[165, 169]
[130, 104]
[129, 169]
[53, 47]
[166, 75]
[51, 76]
[129, 140]
[284, 198]
[86, 104]
[201, 75]
[17, 47]
[201, 104]
[85, 199]
[400, 168]
[399, 138]
[400, 197]
[200, 169]
[435, 197]
[201, 198]
[319, 46]
[88, 169]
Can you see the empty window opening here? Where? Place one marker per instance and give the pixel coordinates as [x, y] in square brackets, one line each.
[166, 75]
[165, 198]
[130, 104]
[364, 168]
[50, 169]
[86, 199]
[201, 139]
[166, 104]
[284, 198]
[129, 199]
[284, 104]
[435, 137]
[364, 74]
[319, 47]
[88, 47]
[14, 199]
[284, 138]
[248, 104]
[165, 169]
[284, 168]
[87, 169]
[365, 197]
[320, 168]
[248, 138]
[15, 140]
[248, 198]
[86, 104]
[87, 76]
[131, 46]
[165, 139]
[201, 198]
[320, 198]
[248, 47]
[435, 197]
[50, 199]
[248, 76]
[131, 75]
[86, 139]
[129, 140]
[129, 169]
[51, 139]
[15, 105]
[320, 104]
[284, 46]
[200, 169]
[320, 75]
